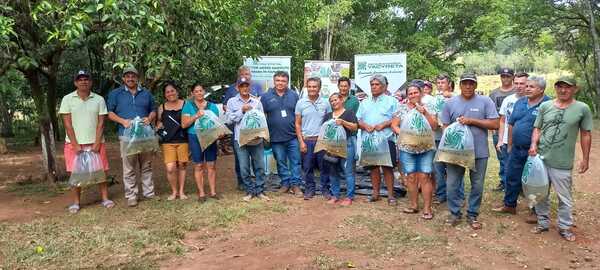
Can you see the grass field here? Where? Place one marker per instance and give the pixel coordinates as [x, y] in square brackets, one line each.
[487, 83]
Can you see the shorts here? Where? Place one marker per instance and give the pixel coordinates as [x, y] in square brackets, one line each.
[70, 155]
[175, 152]
[199, 156]
[417, 163]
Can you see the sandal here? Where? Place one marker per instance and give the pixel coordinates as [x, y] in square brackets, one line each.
[73, 208]
[202, 199]
[410, 211]
[373, 198]
[427, 216]
[539, 229]
[108, 204]
[475, 225]
[215, 197]
[567, 234]
[392, 202]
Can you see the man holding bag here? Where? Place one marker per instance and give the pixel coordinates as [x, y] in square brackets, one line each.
[251, 154]
[124, 104]
[479, 114]
[556, 127]
[83, 113]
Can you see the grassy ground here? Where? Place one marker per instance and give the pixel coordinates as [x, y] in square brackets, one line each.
[131, 238]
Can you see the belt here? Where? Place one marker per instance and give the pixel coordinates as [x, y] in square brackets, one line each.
[311, 138]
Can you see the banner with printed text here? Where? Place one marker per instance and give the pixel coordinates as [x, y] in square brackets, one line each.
[328, 71]
[390, 65]
[264, 67]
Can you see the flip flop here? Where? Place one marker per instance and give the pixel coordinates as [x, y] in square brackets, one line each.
[74, 208]
[475, 225]
[410, 211]
[108, 204]
[567, 235]
[427, 216]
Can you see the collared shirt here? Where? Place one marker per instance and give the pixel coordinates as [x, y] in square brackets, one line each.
[128, 106]
[376, 110]
[235, 113]
[190, 109]
[312, 113]
[84, 115]
[522, 119]
[279, 111]
[255, 90]
[351, 103]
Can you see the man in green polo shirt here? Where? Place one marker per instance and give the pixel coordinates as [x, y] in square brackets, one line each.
[554, 137]
[350, 101]
[83, 113]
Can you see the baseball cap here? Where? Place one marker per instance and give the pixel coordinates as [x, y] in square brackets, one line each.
[507, 71]
[82, 73]
[130, 70]
[242, 80]
[468, 77]
[566, 79]
[428, 83]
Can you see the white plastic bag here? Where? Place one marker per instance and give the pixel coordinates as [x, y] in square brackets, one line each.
[536, 185]
[416, 135]
[253, 126]
[374, 149]
[209, 129]
[140, 138]
[457, 147]
[332, 139]
[87, 169]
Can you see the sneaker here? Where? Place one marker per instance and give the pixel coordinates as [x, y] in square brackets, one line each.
[297, 191]
[132, 202]
[152, 198]
[73, 208]
[346, 202]
[247, 198]
[284, 189]
[264, 197]
[505, 210]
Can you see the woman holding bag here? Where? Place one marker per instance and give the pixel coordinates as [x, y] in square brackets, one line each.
[416, 146]
[173, 139]
[204, 159]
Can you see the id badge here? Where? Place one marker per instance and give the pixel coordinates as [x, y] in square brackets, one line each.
[283, 113]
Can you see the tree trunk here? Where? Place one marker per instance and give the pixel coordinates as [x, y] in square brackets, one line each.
[46, 133]
[596, 44]
[51, 104]
[5, 119]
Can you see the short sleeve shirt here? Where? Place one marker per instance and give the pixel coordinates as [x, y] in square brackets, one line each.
[189, 109]
[559, 130]
[280, 113]
[376, 110]
[312, 113]
[348, 116]
[84, 115]
[506, 110]
[351, 103]
[128, 106]
[522, 119]
[498, 96]
[478, 107]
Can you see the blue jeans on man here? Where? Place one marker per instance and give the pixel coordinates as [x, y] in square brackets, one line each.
[514, 169]
[238, 175]
[439, 173]
[455, 182]
[251, 157]
[287, 155]
[502, 156]
[349, 167]
[310, 161]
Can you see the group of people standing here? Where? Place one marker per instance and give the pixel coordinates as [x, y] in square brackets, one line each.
[527, 123]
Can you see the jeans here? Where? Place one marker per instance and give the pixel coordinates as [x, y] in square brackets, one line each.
[238, 174]
[502, 156]
[310, 161]
[514, 169]
[561, 181]
[455, 182]
[287, 155]
[335, 172]
[350, 166]
[439, 172]
[251, 157]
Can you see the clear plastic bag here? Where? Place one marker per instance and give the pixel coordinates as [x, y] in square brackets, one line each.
[87, 169]
[374, 149]
[416, 135]
[457, 147]
[536, 185]
[332, 139]
[253, 127]
[140, 138]
[209, 129]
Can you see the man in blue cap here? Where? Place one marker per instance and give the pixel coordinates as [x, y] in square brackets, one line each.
[498, 95]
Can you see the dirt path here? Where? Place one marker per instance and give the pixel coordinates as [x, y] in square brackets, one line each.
[315, 235]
